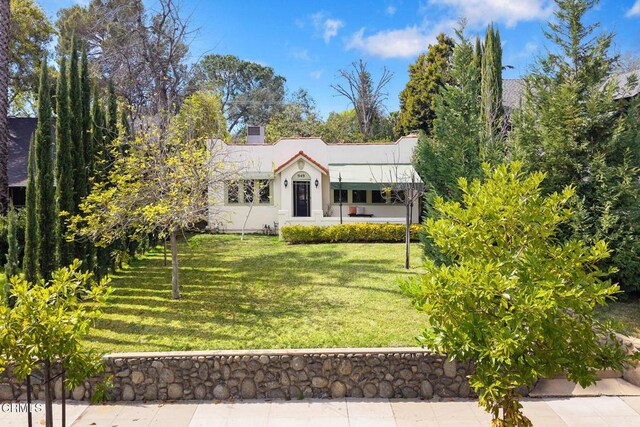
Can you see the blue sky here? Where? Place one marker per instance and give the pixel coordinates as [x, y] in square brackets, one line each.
[309, 41]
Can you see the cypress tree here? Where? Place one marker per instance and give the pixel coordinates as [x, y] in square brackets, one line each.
[46, 217]
[491, 87]
[477, 56]
[30, 259]
[64, 166]
[87, 143]
[85, 84]
[112, 114]
[98, 127]
[77, 137]
[11, 268]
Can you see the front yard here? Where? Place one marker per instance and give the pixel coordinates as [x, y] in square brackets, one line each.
[261, 293]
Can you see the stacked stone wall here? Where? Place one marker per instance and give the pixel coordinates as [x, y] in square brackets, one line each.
[271, 374]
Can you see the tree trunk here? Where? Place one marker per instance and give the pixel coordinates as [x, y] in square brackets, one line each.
[5, 21]
[175, 286]
[407, 237]
[244, 224]
[48, 398]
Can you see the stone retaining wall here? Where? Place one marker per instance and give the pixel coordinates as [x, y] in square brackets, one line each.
[275, 374]
[631, 372]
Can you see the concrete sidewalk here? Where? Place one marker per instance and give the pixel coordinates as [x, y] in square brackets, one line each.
[548, 412]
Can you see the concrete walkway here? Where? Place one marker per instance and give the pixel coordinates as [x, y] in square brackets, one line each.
[547, 412]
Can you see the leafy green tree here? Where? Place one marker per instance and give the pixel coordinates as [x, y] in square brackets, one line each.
[201, 118]
[160, 184]
[63, 166]
[513, 297]
[342, 127]
[572, 128]
[30, 260]
[426, 76]
[48, 325]
[299, 117]
[46, 216]
[12, 267]
[491, 108]
[250, 93]
[30, 32]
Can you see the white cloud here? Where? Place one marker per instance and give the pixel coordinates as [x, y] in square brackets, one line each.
[391, 10]
[302, 54]
[402, 43]
[316, 75]
[328, 27]
[635, 10]
[509, 12]
[331, 27]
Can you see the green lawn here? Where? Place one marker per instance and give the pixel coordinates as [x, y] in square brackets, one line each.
[261, 293]
[627, 313]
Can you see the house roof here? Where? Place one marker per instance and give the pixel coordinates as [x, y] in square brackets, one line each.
[512, 93]
[21, 130]
[627, 84]
[626, 87]
[301, 154]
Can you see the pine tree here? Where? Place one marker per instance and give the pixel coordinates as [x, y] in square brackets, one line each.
[11, 268]
[64, 167]
[76, 109]
[426, 76]
[46, 217]
[453, 150]
[30, 257]
[572, 129]
[491, 107]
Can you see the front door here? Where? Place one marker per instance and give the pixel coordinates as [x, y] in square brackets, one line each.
[301, 198]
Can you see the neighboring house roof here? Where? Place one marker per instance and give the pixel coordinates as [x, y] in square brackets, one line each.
[627, 84]
[626, 87]
[512, 93]
[301, 154]
[21, 130]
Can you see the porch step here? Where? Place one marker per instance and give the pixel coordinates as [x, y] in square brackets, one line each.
[560, 387]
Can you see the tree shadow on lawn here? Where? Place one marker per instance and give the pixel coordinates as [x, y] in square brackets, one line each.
[224, 288]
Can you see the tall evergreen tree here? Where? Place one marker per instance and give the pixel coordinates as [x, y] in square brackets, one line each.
[477, 57]
[46, 217]
[64, 166]
[491, 107]
[87, 144]
[85, 84]
[426, 76]
[12, 267]
[30, 257]
[100, 158]
[572, 128]
[454, 148]
[76, 108]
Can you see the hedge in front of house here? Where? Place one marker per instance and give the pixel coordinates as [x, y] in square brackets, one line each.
[348, 233]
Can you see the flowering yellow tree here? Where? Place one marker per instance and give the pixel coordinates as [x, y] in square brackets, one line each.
[164, 181]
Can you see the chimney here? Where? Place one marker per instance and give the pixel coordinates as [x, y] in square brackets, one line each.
[255, 135]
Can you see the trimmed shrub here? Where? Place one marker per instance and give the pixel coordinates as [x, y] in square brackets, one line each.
[348, 233]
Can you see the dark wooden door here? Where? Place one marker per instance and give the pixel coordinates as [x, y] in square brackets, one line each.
[301, 198]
